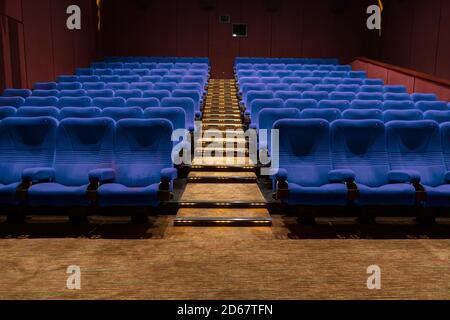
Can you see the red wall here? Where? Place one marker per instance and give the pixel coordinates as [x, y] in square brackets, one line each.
[47, 47]
[416, 35]
[305, 28]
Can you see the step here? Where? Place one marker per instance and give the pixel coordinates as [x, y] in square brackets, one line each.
[222, 177]
[219, 204]
[223, 195]
[222, 222]
[223, 168]
[223, 161]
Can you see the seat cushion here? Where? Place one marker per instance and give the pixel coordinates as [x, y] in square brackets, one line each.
[57, 195]
[326, 195]
[399, 194]
[118, 195]
[8, 194]
[438, 197]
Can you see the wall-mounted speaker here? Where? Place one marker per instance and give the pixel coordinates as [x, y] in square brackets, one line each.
[273, 5]
[208, 5]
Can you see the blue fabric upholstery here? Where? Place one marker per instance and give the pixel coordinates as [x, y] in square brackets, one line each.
[129, 94]
[103, 103]
[123, 113]
[432, 105]
[41, 102]
[360, 146]
[33, 112]
[158, 94]
[329, 115]
[15, 102]
[72, 93]
[100, 93]
[341, 105]
[369, 114]
[82, 113]
[316, 95]
[45, 93]
[25, 143]
[82, 145]
[80, 102]
[438, 116]
[44, 86]
[24, 93]
[285, 95]
[177, 116]
[187, 104]
[6, 112]
[300, 104]
[138, 176]
[417, 97]
[402, 115]
[305, 159]
[398, 105]
[143, 103]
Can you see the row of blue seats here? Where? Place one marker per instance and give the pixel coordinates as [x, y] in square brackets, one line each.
[52, 97]
[306, 71]
[307, 84]
[363, 163]
[337, 95]
[358, 109]
[268, 117]
[258, 60]
[82, 162]
[131, 79]
[86, 72]
[149, 66]
[158, 59]
[354, 78]
[177, 116]
[187, 104]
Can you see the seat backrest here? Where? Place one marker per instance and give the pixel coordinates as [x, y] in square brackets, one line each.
[81, 113]
[151, 79]
[33, 112]
[110, 79]
[143, 103]
[312, 80]
[277, 87]
[338, 74]
[117, 86]
[103, 103]
[416, 145]
[44, 86]
[194, 95]
[398, 105]
[158, 94]
[366, 104]
[169, 86]
[187, 104]
[270, 80]
[357, 74]
[67, 79]
[341, 105]
[348, 88]
[143, 86]
[123, 113]
[373, 82]
[291, 80]
[394, 89]
[316, 95]
[370, 97]
[41, 102]
[83, 145]
[253, 95]
[372, 89]
[74, 102]
[300, 104]
[45, 93]
[432, 105]
[100, 93]
[94, 86]
[25, 143]
[302, 87]
[7, 112]
[15, 102]
[102, 72]
[286, 95]
[128, 94]
[349, 96]
[416, 97]
[72, 93]
[402, 115]
[397, 97]
[258, 105]
[88, 79]
[329, 115]
[325, 87]
[142, 148]
[353, 81]
[177, 116]
[440, 116]
[332, 80]
[367, 114]
[361, 146]
[268, 116]
[24, 93]
[69, 86]
[305, 151]
[445, 138]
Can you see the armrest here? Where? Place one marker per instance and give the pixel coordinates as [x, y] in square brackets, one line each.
[191, 128]
[198, 114]
[282, 175]
[406, 176]
[169, 174]
[447, 177]
[39, 174]
[341, 176]
[102, 175]
[247, 114]
[253, 126]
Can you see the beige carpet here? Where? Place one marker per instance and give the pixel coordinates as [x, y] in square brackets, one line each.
[221, 263]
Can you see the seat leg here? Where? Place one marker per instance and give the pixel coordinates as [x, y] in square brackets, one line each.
[79, 219]
[366, 217]
[139, 219]
[425, 217]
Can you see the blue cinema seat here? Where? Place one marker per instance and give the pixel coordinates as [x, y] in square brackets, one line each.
[177, 116]
[417, 97]
[94, 86]
[341, 105]
[69, 86]
[415, 147]
[348, 96]
[158, 94]
[143, 86]
[7, 112]
[440, 116]
[306, 176]
[25, 145]
[80, 113]
[395, 89]
[257, 106]
[41, 102]
[128, 94]
[100, 93]
[15, 102]
[300, 104]
[366, 104]
[143, 103]
[397, 97]
[45, 86]
[359, 147]
[33, 112]
[362, 114]
[329, 115]
[84, 149]
[402, 115]
[194, 95]
[432, 105]
[24, 93]
[103, 103]
[253, 95]
[118, 114]
[72, 93]
[286, 95]
[399, 105]
[79, 102]
[45, 93]
[139, 179]
[187, 104]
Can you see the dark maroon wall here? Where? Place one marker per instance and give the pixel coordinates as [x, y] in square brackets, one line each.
[307, 28]
[47, 47]
[416, 35]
